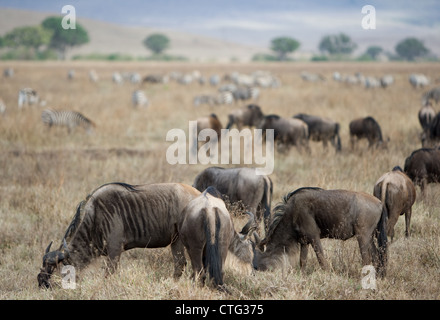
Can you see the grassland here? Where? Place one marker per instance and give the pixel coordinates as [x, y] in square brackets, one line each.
[45, 173]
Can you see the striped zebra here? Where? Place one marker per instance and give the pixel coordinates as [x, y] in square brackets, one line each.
[27, 96]
[2, 107]
[71, 74]
[225, 97]
[117, 78]
[93, 76]
[8, 72]
[139, 99]
[246, 93]
[66, 118]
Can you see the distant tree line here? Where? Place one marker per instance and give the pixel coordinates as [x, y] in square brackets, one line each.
[46, 41]
[341, 47]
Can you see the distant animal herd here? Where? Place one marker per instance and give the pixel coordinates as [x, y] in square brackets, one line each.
[116, 217]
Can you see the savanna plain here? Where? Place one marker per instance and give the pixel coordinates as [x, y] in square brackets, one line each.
[45, 173]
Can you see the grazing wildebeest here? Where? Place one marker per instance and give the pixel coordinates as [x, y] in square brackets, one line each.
[431, 137]
[250, 115]
[322, 129]
[423, 167]
[240, 184]
[210, 122]
[207, 232]
[307, 215]
[426, 114]
[366, 128]
[287, 131]
[398, 194]
[117, 217]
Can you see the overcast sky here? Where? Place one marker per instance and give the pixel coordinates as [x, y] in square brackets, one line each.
[256, 22]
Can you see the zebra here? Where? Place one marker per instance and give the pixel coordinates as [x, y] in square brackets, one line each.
[8, 72]
[93, 76]
[246, 93]
[386, 81]
[418, 80]
[68, 118]
[117, 78]
[71, 74]
[204, 99]
[225, 97]
[2, 107]
[27, 96]
[139, 98]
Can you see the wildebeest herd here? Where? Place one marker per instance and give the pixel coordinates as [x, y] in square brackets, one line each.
[196, 219]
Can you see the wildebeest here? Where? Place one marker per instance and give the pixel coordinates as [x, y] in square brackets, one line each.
[287, 131]
[398, 194]
[307, 215]
[431, 136]
[250, 115]
[207, 232]
[117, 217]
[366, 128]
[240, 184]
[423, 167]
[322, 129]
[210, 122]
[426, 114]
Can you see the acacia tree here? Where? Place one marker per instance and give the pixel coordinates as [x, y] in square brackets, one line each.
[31, 37]
[157, 43]
[339, 44]
[411, 48]
[284, 45]
[64, 39]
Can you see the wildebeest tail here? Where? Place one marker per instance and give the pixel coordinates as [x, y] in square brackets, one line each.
[337, 137]
[382, 241]
[230, 122]
[267, 201]
[213, 258]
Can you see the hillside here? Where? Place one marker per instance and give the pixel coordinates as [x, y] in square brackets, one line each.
[106, 38]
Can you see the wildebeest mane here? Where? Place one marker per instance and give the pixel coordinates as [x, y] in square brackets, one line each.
[280, 210]
[79, 212]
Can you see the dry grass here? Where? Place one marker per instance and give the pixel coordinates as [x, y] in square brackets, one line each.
[46, 173]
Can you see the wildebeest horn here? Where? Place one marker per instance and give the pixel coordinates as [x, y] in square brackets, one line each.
[250, 226]
[48, 248]
[66, 251]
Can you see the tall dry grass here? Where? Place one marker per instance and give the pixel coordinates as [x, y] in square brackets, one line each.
[45, 173]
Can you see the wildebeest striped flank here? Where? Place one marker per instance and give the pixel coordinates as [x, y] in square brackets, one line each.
[117, 217]
[67, 118]
[307, 215]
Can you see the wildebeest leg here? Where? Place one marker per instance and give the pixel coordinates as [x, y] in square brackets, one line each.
[196, 256]
[303, 255]
[392, 220]
[316, 244]
[177, 249]
[407, 222]
[367, 248]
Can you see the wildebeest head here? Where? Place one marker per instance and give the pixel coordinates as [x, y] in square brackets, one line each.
[50, 262]
[242, 246]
